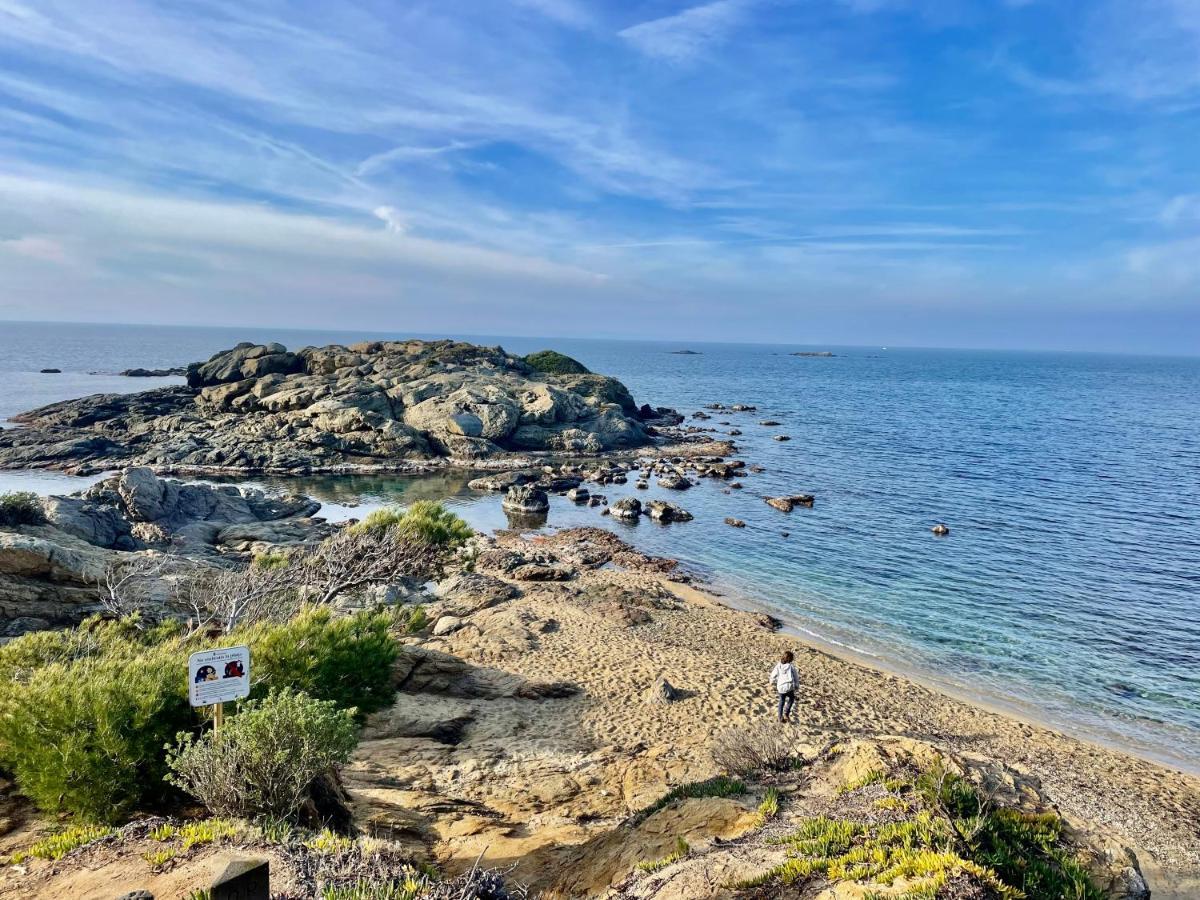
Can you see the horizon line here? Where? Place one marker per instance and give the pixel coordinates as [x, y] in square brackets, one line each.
[682, 343]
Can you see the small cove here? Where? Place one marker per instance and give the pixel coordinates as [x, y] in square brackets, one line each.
[1068, 586]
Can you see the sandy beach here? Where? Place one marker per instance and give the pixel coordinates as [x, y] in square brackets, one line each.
[531, 731]
[595, 756]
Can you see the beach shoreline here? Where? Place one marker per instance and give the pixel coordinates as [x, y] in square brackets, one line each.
[614, 631]
[1009, 707]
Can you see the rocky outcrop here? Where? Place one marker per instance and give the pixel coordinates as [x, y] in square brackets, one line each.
[51, 574]
[375, 405]
[137, 509]
[173, 372]
[47, 579]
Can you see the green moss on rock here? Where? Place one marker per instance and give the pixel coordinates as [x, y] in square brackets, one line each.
[554, 363]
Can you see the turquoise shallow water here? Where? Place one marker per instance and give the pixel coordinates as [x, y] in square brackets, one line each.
[1069, 586]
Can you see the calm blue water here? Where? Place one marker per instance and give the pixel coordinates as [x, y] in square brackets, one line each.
[1069, 587]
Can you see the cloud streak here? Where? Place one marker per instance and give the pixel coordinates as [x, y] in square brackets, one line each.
[444, 161]
[681, 37]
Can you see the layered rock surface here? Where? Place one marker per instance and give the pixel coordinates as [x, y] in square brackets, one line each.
[374, 405]
[51, 574]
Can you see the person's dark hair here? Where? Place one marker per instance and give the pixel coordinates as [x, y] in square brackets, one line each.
[788, 656]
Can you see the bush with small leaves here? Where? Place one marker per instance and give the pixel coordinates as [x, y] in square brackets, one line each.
[21, 508]
[88, 712]
[262, 762]
[424, 521]
[347, 660]
[84, 732]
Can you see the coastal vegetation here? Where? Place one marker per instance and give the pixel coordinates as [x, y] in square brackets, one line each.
[554, 363]
[424, 521]
[943, 834]
[261, 764]
[20, 508]
[111, 697]
[89, 712]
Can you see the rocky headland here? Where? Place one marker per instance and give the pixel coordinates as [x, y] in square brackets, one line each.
[374, 406]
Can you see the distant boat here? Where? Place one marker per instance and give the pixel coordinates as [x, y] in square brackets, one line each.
[686, 352]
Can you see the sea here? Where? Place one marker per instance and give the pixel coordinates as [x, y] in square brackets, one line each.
[1068, 589]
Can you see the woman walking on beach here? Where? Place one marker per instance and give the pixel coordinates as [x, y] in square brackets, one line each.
[785, 679]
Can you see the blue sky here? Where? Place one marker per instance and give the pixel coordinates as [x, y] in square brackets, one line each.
[1012, 174]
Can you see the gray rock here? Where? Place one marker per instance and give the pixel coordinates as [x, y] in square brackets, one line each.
[627, 508]
[543, 572]
[500, 481]
[527, 499]
[578, 495]
[787, 504]
[662, 692]
[674, 482]
[661, 511]
[100, 525]
[447, 625]
[470, 592]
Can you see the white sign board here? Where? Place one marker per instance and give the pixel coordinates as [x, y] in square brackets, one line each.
[217, 676]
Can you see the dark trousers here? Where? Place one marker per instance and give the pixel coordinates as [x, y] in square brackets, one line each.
[786, 702]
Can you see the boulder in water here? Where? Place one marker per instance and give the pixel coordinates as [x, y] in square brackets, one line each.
[628, 508]
[526, 498]
[787, 504]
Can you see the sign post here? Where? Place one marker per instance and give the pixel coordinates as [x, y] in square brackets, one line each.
[218, 676]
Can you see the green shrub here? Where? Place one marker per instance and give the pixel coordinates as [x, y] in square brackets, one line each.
[85, 734]
[347, 660]
[424, 521]
[554, 363]
[88, 712]
[261, 763]
[21, 508]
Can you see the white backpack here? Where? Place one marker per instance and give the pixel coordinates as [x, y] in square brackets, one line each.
[786, 683]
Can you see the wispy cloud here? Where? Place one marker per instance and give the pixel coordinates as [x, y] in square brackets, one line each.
[681, 37]
[378, 161]
[430, 158]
